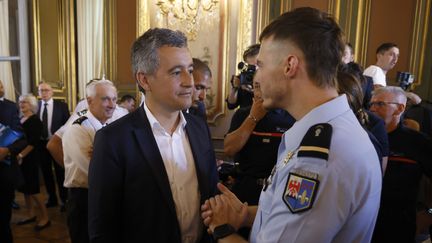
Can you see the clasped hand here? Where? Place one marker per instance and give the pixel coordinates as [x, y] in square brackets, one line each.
[225, 208]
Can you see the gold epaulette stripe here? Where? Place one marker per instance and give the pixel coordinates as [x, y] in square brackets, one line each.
[314, 148]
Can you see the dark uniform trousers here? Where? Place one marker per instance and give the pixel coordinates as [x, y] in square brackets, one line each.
[47, 163]
[77, 215]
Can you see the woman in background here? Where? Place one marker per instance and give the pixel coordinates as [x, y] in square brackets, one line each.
[28, 159]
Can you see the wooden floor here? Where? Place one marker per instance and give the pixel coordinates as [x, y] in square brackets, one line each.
[55, 233]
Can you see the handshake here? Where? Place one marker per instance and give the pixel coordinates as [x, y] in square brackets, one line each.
[224, 209]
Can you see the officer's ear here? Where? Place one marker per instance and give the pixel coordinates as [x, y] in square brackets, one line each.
[143, 80]
[291, 66]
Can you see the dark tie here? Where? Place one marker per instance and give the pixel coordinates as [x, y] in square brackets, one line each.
[45, 122]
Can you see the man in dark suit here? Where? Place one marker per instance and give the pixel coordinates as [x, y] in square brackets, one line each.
[151, 169]
[53, 114]
[8, 166]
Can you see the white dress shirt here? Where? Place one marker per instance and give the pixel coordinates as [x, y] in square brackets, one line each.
[50, 108]
[77, 147]
[180, 167]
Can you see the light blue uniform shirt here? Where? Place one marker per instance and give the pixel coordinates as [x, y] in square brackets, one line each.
[347, 200]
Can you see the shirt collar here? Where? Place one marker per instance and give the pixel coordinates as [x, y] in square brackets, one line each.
[94, 121]
[49, 102]
[2, 98]
[155, 124]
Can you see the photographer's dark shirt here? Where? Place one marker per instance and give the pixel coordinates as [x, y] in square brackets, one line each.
[259, 154]
[244, 99]
[410, 157]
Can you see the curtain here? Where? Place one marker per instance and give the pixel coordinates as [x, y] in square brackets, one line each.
[90, 42]
[5, 67]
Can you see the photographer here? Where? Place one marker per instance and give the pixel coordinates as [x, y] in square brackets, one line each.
[253, 141]
[241, 92]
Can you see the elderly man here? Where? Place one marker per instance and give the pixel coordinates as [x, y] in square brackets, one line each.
[327, 168]
[53, 114]
[151, 170]
[409, 158]
[387, 55]
[78, 146]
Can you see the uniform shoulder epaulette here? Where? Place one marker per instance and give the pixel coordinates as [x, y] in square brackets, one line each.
[80, 120]
[82, 112]
[316, 142]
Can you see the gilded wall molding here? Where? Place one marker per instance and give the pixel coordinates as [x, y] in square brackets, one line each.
[143, 17]
[63, 80]
[334, 8]
[362, 31]
[263, 16]
[109, 55]
[418, 39]
[244, 33]
[285, 6]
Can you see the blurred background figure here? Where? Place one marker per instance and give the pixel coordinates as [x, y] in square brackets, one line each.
[127, 101]
[202, 82]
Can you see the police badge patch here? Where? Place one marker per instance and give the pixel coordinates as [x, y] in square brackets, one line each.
[299, 193]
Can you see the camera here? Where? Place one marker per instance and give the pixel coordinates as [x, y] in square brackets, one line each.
[227, 169]
[405, 79]
[247, 72]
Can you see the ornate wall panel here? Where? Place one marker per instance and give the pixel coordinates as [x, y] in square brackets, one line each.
[54, 47]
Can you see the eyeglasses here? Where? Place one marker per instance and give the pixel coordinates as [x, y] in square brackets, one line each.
[382, 103]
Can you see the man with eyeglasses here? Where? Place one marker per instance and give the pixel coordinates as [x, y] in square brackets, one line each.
[409, 158]
[53, 114]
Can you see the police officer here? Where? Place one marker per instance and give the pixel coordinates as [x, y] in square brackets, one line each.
[327, 168]
[409, 158]
[78, 146]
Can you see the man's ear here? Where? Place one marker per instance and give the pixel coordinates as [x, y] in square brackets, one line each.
[89, 100]
[291, 65]
[143, 81]
[400, 109]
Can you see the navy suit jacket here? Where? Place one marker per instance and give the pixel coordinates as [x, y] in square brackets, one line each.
[130, 197]
[10, 175]
[9, 114]
[60, 114]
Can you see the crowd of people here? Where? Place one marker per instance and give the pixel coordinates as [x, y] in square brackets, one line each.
[326, 152]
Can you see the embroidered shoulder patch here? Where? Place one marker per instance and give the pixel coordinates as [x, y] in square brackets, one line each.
[299, 193]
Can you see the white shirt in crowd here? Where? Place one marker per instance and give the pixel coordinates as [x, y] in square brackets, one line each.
[377, 74]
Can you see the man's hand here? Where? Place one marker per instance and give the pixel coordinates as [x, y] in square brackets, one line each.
[257, 110]
[224, 208]
[3, 153]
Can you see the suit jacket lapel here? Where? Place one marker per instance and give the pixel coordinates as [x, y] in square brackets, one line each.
[150, 151]
[194, 133]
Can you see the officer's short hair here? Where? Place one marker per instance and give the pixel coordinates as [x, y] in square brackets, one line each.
[91, 86]
[397, 92]
[317, 35]
[385, 47]
[31, 99]
[199, 65]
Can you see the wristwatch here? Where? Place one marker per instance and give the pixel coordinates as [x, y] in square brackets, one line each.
[222, 231]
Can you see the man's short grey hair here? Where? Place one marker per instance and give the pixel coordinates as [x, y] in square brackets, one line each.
[91, 87]
[31, 99]
[398, 93]
[144, 57]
